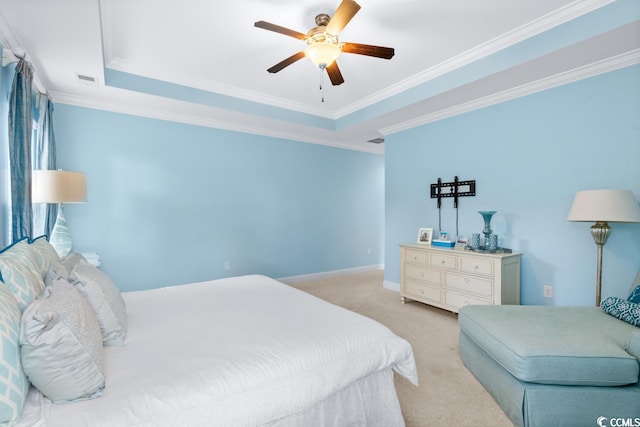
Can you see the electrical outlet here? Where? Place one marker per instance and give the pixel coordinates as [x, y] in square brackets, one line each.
[547, 291]
[227, 265]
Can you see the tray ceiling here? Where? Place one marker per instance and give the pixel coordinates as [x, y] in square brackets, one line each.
[203, 62]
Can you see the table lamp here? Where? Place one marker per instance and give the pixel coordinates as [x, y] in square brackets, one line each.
[601, 207]
[58, 186]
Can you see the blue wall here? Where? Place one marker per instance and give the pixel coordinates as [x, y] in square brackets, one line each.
[169, 203]
[528, 156]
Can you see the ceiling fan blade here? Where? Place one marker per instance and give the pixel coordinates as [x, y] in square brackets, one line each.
[369, 50]
[342, 16]
[278, 29]
[334, 74]
[285, 63]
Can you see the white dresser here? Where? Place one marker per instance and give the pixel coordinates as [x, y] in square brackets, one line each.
[452, 278]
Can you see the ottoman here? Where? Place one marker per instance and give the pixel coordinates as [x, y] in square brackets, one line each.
[553, 365]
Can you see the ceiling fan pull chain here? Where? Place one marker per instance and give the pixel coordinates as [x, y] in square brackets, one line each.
[321, 85]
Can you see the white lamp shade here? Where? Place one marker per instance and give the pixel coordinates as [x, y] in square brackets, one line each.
[605, 206]
[58, 186]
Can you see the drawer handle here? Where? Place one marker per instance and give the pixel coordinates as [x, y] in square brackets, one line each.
[466, 279]
[415, 257]
[476, 266]
[421, 274]
[442, 262]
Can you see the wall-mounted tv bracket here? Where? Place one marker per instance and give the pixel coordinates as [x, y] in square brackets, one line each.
[453, 189]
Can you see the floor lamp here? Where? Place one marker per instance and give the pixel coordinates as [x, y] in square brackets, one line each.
[58, 186]
[602, 207]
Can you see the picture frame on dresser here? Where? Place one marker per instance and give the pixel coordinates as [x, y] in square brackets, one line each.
[425, 235]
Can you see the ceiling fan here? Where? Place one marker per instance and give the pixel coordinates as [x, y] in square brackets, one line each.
[323, 47]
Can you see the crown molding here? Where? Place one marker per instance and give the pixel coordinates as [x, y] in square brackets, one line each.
[533, 28]
[600, 67]
[149, 110]
[7, 38]
[517, 35]
[9, 41]
[119, 64]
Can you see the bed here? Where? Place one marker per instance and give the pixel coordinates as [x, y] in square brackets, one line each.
[240, 351]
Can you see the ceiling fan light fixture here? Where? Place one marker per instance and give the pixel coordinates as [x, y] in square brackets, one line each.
[323, 53]
[323, 47]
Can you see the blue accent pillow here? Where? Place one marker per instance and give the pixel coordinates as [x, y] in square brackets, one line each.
[622, 309]
[635, 295]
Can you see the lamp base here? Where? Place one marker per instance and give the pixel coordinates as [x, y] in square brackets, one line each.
[60, 237]
[600, 232]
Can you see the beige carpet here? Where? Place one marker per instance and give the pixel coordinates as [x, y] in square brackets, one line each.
[448, 394]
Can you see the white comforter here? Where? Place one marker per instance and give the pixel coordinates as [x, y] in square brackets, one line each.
[240, 351]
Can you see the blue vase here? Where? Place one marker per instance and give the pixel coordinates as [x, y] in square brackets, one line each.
[486, 215]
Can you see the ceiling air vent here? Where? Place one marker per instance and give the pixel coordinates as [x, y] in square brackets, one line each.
[86, 80]
[376, 140]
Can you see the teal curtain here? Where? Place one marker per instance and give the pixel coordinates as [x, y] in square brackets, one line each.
[44, 157]
[20, 129]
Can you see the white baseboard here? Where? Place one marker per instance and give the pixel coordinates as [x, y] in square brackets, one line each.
[388, 284]
[329, 274]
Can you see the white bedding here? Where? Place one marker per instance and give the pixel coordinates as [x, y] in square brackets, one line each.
[232, 352]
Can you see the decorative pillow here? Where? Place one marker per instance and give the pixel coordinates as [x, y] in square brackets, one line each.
[20, 272]
[106, 300]
[44, 254]
[56, 271]
[62, 345]
[635, 295]
[62, 269]
[71, 260]
[622, 309]
[13, 382]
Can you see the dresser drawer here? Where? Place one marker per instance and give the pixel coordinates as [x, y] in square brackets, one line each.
[471, 284]
[459, 300]
[443, 261]
[421, 291]
[476, 266]
[415, 257]
[422, 274]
